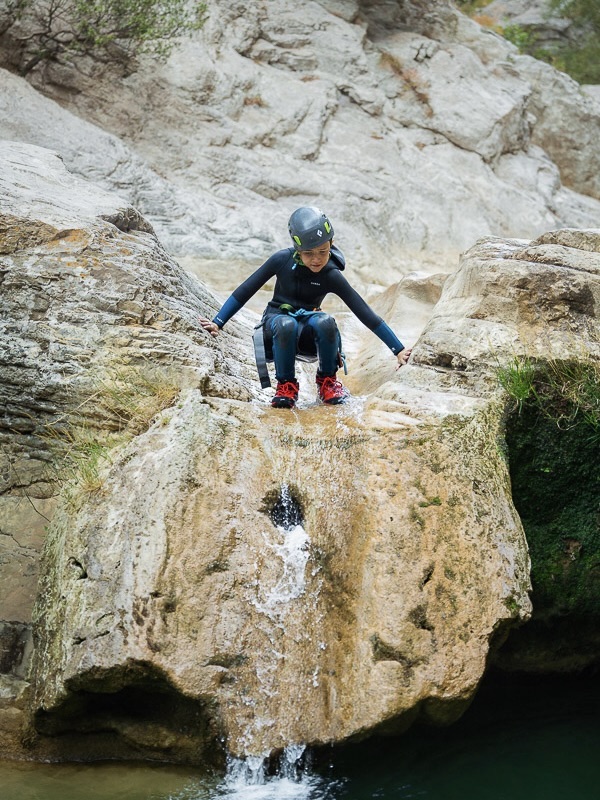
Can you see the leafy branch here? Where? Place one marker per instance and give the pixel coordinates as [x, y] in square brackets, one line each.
[107, 30]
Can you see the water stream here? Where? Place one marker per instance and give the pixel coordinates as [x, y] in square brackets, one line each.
[283, 592]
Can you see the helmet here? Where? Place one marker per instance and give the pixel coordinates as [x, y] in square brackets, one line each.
[309, 227]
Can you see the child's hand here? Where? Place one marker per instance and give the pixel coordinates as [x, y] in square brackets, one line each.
[212, 327]
[403, 357]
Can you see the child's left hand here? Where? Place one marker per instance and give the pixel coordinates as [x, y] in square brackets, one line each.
[403, 357]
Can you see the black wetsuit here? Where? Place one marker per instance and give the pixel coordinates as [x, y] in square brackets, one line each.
[297, 288]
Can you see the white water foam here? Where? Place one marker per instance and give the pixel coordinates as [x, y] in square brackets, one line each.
[293, 550]
[247, 779]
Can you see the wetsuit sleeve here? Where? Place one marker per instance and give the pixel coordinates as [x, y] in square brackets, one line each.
[340, 286]
[230, 307]
[387, 335]
[248, 288]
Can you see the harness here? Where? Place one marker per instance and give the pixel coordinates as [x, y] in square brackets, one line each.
[260, 352]
[261, 356]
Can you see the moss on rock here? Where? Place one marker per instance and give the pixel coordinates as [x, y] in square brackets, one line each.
[555, 473]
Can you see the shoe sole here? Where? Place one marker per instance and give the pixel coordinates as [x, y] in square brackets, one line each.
[335, 401]
[282, 404]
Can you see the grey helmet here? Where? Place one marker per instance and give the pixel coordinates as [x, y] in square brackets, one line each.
[309, 227]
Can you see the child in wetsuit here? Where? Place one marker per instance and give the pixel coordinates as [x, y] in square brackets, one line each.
[293, 322]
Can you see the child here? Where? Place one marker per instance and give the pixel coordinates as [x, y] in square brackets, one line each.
[293, 323]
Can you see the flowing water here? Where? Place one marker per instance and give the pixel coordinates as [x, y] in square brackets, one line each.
[522, 739]
[281, 597]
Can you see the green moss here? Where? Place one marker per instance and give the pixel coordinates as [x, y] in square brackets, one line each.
[512, 605]
[415, 517]
[431, 501]
[555, 474]
[449, 573]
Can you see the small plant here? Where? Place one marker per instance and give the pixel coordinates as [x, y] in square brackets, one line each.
[84, 461]
[255, 100]
[392, 62]
[568, 392]
[430, 501]
[512, 605]
[107, 30]
[133, 396]
[414, 80]
[521, 37]
[415, 517]
[517, 379]
[449, 573]
[572, 391]
[471, 7]
[487, 22]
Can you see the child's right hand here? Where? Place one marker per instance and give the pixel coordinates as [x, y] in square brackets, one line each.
[209, 326]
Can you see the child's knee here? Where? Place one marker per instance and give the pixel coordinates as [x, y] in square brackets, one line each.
[325, 327]
[284, 329]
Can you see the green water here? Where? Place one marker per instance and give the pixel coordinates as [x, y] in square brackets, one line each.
[534, 739]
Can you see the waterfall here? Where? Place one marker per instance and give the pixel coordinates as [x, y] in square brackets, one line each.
[292, 549]
[287, 549]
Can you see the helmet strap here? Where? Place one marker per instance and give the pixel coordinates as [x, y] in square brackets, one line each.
[298, 259]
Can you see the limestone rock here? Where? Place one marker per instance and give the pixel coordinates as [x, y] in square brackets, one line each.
[391, 115]
[554, 97]
[237, 575]
[92, 306]
[574, 148]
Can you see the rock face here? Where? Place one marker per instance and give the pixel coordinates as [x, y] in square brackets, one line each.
[217, 575]
[133, 322]
[231, 576]
[417, 130]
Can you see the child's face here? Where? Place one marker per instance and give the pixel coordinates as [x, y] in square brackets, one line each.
[317, 258]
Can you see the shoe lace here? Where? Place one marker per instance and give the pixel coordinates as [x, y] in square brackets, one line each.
[287, 389]
[331, 385]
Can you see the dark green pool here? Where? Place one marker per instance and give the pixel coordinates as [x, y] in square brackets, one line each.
[533, 739]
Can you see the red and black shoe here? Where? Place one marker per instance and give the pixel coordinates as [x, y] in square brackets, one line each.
[331, 390]
[286, 394]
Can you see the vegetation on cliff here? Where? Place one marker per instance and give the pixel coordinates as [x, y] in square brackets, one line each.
[553, 438]
[122, 404]
[577, 55]
[107, 30]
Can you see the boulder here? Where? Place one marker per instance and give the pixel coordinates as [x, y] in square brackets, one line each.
[92, 306]
[220, 576]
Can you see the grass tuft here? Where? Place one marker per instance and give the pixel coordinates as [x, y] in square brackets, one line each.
[567, 392]
[122, 404]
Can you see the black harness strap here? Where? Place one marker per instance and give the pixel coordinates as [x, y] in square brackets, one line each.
[260, 356]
